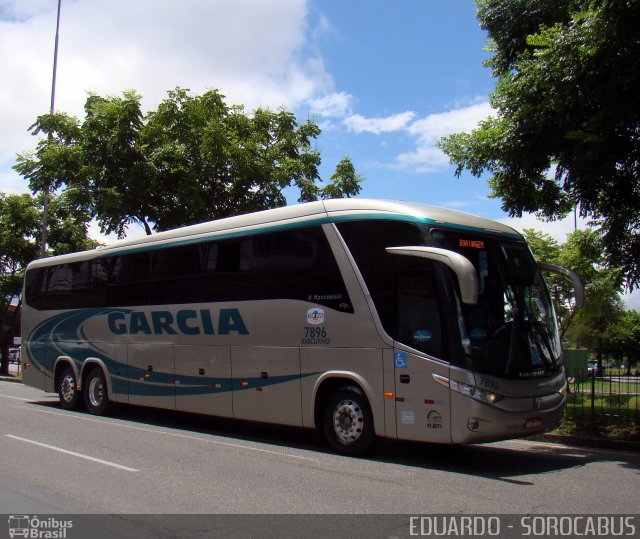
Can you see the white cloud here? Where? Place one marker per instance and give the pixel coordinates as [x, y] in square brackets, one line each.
[632, 300]
[558, 230]
[427, 131]
[379, 125]
[425, 158]
[435, 126]
[255, 53]
[335, 105]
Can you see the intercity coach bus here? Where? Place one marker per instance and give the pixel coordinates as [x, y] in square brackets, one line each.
[360, 318]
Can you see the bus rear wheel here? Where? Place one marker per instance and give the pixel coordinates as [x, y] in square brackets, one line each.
[96, 395]
[348, 421]
[67, 386]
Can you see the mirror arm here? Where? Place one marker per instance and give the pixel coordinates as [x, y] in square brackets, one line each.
[578, 284]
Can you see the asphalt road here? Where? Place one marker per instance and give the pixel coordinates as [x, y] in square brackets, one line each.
[143, 461]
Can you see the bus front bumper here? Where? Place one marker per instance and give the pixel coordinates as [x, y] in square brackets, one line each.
[476, 422]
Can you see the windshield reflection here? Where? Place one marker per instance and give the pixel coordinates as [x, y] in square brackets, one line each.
[512, 330]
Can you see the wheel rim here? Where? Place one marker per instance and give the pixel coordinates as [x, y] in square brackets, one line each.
[348, 421]
[68, 387]
[96, 392]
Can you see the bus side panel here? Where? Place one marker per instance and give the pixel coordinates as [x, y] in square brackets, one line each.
[389, 392]
[423, 408]
[361, 366]
[151, 375]
[203, 380]
[266, 384]
[37, 356]
[119, 374]
[32, 374]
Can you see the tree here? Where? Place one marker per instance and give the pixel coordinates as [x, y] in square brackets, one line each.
[581, 252]
[595, 326]
[598, 326]
[193, 159]
[625, 335]
[566, 129]
[20, 219]
[345, 183]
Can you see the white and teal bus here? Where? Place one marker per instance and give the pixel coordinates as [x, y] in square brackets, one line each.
[360, 318]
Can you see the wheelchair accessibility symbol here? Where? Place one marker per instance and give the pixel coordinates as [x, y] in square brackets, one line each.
[400, 360]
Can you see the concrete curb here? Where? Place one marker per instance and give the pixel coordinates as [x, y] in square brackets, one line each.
[11, 379]
[582, 441]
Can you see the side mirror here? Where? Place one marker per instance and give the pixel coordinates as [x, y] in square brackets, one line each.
[578, 284]
[461, 266]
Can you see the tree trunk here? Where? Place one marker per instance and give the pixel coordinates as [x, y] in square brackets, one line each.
[4, 367]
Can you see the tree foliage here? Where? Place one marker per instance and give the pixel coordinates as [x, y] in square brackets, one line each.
[583, 253]
[566, 129]
[20, 221]
[624, 335]
[192, 159]
[602, 325]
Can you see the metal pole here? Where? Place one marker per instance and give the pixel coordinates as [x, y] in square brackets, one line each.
[45, 200]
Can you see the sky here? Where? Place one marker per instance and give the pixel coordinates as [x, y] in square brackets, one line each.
[384, 80]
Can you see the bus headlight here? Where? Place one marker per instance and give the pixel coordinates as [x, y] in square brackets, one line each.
[563, 389]
[468, 390]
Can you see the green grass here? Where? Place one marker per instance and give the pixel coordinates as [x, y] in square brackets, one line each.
[615, 414]
[624, 428]
[605, 404]
[607, 386]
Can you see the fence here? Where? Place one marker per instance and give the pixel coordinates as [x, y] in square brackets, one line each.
[607, 402]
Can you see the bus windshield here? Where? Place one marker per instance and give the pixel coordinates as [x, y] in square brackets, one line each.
[512, 330]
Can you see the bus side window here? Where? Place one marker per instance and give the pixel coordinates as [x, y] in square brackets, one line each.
[233, 271]
[129, 283]
[175, 275]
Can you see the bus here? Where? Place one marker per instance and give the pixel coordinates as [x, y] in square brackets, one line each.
[359, 318]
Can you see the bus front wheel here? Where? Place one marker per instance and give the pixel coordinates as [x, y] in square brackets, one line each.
[70, 397]
[348, 421]
[96, 395]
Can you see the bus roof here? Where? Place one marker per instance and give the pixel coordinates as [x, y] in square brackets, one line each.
[333, 210]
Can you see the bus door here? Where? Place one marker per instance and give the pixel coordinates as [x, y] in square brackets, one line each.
[422, 404]
[423, 409]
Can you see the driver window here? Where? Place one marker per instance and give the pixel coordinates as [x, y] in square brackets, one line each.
[418, 317]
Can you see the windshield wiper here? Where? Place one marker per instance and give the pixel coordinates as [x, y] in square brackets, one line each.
[537, 330]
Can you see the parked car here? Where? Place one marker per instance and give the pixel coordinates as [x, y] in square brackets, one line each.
[592, 368]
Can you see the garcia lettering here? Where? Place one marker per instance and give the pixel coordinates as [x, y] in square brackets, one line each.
[185, 322]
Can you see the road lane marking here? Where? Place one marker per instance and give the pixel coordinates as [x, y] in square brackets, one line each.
[174, 434]
[73, 453]
[16, 398]
[186, 436]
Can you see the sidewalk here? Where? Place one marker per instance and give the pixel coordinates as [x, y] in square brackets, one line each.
[15, 370]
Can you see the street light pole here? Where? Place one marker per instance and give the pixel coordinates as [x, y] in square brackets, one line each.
[45, 201]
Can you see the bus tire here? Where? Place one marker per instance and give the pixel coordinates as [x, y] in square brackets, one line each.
[348, 421]
[67, 387]
[96, 394]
